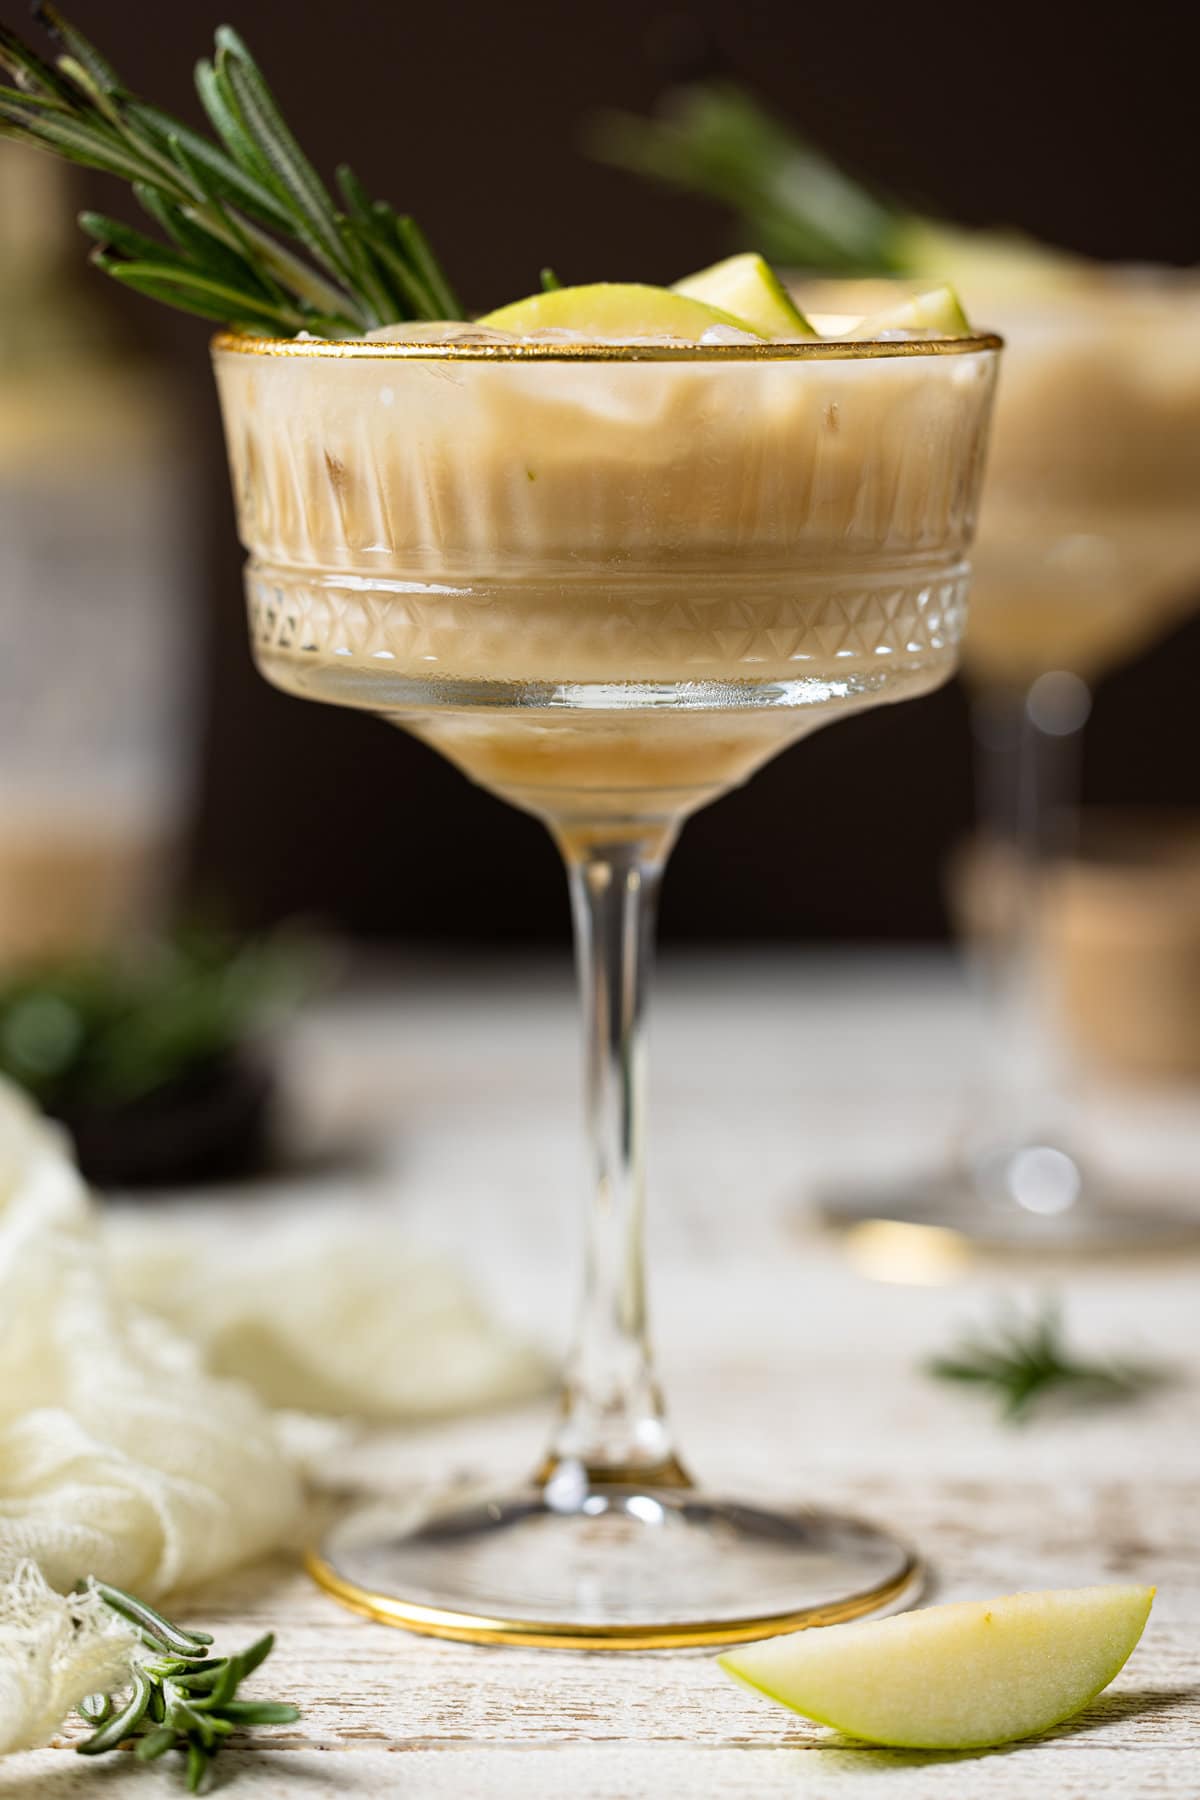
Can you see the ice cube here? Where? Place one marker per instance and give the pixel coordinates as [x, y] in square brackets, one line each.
[437, 331]
[728, 334]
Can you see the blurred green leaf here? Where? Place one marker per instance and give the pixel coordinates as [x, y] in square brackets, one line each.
[109, 1030]
[1023, 1361]
[798, 206]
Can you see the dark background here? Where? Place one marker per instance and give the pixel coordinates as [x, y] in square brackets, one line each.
[469, 115]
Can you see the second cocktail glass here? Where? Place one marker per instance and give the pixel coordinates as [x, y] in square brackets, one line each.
[608, 581]
[1088, 551]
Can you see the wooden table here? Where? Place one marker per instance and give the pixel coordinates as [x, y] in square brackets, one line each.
[792, 1370]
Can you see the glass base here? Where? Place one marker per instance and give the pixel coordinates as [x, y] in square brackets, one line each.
[1097, 1222]
[599, 1566]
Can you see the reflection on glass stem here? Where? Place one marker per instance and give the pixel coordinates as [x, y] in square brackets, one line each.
[1029, 757]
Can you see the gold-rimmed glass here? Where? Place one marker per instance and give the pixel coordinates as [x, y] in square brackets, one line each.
[1088, 552]
[608, 581]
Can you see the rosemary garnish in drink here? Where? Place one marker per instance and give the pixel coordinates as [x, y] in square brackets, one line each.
[250, 234]
[1023, 1362]
[182, 1697]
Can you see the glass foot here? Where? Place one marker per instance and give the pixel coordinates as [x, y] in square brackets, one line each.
[1096, 1222]
[592, 1566]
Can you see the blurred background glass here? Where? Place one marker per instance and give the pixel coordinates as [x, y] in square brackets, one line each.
[1088, 553]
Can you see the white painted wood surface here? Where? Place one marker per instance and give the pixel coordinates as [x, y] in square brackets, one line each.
[791, 1372]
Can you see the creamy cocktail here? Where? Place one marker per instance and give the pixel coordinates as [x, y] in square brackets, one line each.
[603, 581]
[1088, 543]
[1089, 537]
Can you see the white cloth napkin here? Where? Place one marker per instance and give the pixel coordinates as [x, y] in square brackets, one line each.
[119, 1455]
[126, 1450]
[323, 1309]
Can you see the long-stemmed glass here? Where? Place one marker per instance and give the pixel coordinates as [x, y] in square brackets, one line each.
[608, 582]
[1088, 549]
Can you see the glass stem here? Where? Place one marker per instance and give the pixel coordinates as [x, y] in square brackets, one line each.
[1029, 760]
[613, 1426]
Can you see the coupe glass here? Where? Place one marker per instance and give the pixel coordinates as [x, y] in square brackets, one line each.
[608, 582]
[1088, 550]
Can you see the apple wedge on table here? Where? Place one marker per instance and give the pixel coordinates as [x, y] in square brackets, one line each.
[959, 1677]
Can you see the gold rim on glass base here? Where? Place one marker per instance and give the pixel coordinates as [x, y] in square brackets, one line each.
[1095, 1221]
[610, 1568]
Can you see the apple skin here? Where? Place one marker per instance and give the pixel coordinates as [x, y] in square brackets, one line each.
[939, 311]
[961, 1677]
[614, 310]
[748, 287]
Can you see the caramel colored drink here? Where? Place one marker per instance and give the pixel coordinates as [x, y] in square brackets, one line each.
[607, 582]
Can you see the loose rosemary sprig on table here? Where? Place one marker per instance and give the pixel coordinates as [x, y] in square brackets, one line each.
[1023, 1362]
[250, 234]
[182, 1697]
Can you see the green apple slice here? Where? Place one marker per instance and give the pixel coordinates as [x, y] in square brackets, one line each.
[615, 310]
[958, 1677]
[938, 312]
[748, 287]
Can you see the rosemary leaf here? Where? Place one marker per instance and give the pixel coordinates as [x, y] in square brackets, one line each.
[28, 69]
[162, 1711]
[202, 251]
[330, 303]
[412, 300]
[355, 195]
[713, 138]
[1024, 1363]
[200, 294]
[254, 238]
[222, 173]
[365, 273]
[87, 145]
[99, 70]
[112, 234]
[197, 1767]
[152, 1623]
[217, 101]
[99, 97]
[248, 1660]
[219, 223]
[124, 1723]
[416, 246]
[29, 104]
[155, 1744]
[222, 1689]
[291, 171]
[262, 1712]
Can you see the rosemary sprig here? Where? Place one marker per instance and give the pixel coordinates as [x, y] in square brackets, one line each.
[250, 234]
[1024, 1362]
[714, 139]
[181, 1697]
